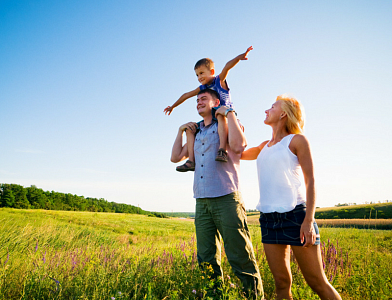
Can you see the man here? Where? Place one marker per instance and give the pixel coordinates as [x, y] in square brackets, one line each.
[220, 211]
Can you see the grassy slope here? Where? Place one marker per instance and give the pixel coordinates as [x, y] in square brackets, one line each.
[367, 211]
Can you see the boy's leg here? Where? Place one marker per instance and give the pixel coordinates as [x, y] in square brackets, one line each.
[190, 140]
[230, 218]
[223, 133]
[190, 163]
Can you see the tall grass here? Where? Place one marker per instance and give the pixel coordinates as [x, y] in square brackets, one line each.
[80, 255]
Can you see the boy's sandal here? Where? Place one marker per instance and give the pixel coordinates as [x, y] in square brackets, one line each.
[221, 156]
[188, 166]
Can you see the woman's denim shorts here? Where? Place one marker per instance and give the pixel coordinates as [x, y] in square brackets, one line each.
[284, 228]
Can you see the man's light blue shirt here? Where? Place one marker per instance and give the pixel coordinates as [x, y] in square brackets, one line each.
[213, 178]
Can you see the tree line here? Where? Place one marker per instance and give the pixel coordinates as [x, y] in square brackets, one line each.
[17, 196]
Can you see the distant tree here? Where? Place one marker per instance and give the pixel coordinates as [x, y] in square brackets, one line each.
[36, 197]
[7, 198]
[20, 196]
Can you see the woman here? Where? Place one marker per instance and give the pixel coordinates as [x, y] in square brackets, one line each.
[287, 215]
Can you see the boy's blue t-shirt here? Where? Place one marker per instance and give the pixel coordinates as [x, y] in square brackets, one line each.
[225, 98]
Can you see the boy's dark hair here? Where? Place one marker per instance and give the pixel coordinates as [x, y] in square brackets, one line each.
[207, 62]
[212, 93]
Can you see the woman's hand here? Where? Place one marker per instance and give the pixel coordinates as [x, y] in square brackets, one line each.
[308, 233]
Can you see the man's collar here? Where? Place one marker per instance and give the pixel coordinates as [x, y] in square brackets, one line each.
[203, 126]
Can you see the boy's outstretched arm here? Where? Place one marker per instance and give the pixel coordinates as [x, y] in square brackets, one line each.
[230, 64]
[168, 110]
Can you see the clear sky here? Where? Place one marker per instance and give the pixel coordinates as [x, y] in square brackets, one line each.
[83, 85]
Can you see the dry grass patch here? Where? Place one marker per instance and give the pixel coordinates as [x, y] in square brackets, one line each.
[356, 223]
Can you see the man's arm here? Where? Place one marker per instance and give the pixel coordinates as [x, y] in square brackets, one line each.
[230, 64]
[236, 137]
[168, 110]
[179, 151]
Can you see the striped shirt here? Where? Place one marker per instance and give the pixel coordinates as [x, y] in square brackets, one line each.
[225, 98]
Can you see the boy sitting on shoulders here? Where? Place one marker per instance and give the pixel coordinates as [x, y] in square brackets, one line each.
[205, 71]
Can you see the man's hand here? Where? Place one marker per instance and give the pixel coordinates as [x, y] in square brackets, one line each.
[190, 125]
[168, 110]
[221, 111]
[243, 55]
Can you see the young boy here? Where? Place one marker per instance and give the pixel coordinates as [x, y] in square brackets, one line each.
[205, 72]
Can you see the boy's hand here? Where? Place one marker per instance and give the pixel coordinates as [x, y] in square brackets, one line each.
[243, 55]
[230, 64]
[168, 110]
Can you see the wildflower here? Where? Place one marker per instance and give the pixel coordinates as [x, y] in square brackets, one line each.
[57, 284]
[232, 285]
[8, 257]
[194, 291]
[112, 298]
[228, 277]
[36, 247]
[119, 293]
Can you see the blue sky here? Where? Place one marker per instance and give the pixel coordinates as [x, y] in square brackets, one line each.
[83, 85]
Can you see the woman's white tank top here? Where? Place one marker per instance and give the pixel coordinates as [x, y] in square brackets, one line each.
[279, 178]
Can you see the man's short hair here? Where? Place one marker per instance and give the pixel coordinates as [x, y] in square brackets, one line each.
[212, 93]
[207, 62]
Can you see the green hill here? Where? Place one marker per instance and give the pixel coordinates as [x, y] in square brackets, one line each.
[180, 214]
[17, 196]
[363, 211]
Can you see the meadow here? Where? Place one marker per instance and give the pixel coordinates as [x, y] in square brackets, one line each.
[85, 255]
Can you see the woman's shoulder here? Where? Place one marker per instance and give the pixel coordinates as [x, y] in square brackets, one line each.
[298, 141]
[299, 138]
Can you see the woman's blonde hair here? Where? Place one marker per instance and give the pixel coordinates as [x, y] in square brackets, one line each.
[295, 114]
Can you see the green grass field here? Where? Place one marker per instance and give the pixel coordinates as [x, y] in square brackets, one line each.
[82, 255]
